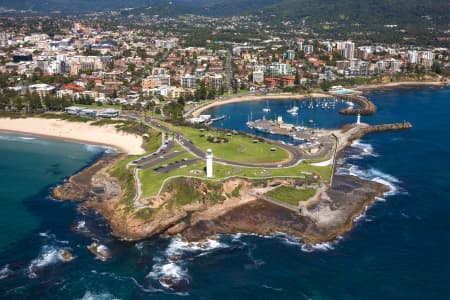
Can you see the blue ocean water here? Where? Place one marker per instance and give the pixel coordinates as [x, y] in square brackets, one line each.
[398, 250]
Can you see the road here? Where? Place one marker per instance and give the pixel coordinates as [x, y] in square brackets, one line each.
[296, 155]
[229, 71]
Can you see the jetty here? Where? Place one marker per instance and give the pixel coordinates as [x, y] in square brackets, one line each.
[367, 107]
[216, 119]
[364, 130]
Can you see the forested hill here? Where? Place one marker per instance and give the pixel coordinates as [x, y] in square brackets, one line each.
[353, 11]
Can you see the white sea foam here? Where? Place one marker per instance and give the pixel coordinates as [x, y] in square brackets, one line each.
[81, 227]
[5, 272]
[139, 246]
[97, 149]
[49, 255]
[293, 241]
[177, 246]
[322, 247]
[286, 239]
[46, 234]
[93, 148]
[272, 288]
[373, 175]
[366, 149]
[362, 216]
[98, 296]
[14, 138]
[170, 269]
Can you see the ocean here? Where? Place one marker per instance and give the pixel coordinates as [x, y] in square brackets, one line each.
[399, 249]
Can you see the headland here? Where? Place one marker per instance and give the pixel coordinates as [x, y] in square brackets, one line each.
[259, 186]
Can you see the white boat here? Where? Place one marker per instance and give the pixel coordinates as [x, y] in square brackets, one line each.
[294, 109]
[267, 108]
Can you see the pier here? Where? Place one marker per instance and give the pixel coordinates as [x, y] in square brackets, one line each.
[216, 119]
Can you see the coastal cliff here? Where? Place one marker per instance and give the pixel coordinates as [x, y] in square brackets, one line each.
[197, 208]
[226, 207]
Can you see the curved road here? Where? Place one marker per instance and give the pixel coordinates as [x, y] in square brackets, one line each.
[295, 154]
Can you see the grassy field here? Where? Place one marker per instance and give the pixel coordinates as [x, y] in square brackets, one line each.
[239, 148]
[152, 181]
[291, 195]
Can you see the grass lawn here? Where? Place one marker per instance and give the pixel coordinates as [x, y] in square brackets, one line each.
[152, 181]
[239, 148]
[291, 195]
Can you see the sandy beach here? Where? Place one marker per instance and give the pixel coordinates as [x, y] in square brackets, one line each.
[79, 132]
[246, 98]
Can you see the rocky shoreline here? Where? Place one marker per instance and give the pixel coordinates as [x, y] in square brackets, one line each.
[322, 219]
[197, 209]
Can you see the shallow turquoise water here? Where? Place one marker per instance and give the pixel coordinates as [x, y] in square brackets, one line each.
[398, 250]
[29, 166]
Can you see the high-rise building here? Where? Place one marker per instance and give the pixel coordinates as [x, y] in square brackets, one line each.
[216, 81]
[349, 50]
[290, 54]
[189, 81]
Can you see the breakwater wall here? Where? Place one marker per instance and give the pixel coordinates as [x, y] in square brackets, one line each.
[378, 128]
[367, 107]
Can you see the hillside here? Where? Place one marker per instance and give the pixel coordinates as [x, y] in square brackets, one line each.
[368, 12]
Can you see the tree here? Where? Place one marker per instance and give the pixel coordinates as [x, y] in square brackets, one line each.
[131, 67]
[212, 94]
[437, 67]
[90, 85]
[297, 78]
[34, 102]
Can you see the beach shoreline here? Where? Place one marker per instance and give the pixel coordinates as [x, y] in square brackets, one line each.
[238, 99]
[382, 86]
[76, 132]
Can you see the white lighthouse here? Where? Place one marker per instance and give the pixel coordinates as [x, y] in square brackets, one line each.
[358, 119]
[209, 163]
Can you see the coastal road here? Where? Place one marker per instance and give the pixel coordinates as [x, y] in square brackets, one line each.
[295, 153]
[159, 160]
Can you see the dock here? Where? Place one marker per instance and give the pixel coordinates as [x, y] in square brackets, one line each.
[216, 119]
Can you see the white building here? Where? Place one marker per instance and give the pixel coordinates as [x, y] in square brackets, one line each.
[258, 77]
[209, 163]
[216, 81]
[413, 57]
[349, 50]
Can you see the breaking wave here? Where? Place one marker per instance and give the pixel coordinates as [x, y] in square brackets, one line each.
[364, 150]
[373, 175]
[170, 269]
[49, 255]
[322, 247]
[5, 272]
